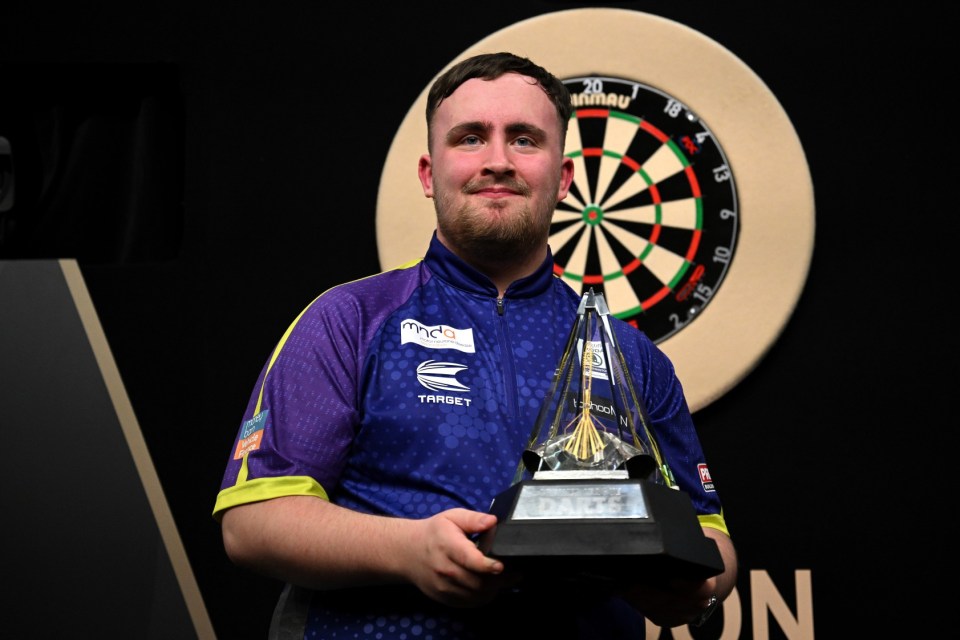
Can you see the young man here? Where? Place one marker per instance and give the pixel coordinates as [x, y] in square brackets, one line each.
[362, 480]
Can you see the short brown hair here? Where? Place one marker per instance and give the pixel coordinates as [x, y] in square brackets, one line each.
[490, 66]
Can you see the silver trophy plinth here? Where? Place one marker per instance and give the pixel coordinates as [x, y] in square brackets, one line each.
[592, 497]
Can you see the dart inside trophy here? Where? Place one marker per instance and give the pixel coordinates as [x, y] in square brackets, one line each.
[592, 497]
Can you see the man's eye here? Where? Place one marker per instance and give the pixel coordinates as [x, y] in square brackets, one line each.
[523, 142]
[471, 140]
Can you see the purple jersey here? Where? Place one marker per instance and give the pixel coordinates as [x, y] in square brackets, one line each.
[414, 391]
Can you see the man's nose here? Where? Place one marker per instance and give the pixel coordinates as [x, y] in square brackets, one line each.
[498, 159]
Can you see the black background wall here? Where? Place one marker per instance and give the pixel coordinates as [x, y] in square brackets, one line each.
[831, 456]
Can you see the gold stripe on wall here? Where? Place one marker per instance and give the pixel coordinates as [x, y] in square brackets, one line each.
[138, 450]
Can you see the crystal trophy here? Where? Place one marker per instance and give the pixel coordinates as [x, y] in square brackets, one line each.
[592, 498]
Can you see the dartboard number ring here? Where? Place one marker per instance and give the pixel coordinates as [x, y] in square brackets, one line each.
[651, 218]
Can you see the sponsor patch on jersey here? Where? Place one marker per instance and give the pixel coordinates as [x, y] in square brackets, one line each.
[251, 434]
[440, 376]
[439, 336]
[705, 478]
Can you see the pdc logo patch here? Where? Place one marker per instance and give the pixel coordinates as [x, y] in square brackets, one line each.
[705, 478]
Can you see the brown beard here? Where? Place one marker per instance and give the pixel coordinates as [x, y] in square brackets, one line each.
[484, 238]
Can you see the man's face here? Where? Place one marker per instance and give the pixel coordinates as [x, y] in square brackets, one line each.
[495, 171]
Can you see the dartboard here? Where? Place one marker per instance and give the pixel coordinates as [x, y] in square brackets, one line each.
[651, 217]
[692, 206]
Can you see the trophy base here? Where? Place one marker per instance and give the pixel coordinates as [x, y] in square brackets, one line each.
[599, 530]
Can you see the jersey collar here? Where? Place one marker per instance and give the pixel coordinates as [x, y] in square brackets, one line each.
[444, 264]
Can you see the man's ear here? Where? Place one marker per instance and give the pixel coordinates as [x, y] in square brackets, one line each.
[566, 178]
[425, 172]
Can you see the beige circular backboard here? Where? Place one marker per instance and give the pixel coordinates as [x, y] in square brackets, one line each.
[775, 193]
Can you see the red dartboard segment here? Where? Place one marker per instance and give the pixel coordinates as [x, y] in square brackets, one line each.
[591, 113]
[630, 162]
[656, 133]
[631, 266]
[692, 177]
[694, 243]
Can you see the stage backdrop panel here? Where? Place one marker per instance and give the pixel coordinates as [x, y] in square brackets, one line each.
[91, 548]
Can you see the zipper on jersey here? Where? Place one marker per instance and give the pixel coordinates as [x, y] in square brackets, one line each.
[509, 376]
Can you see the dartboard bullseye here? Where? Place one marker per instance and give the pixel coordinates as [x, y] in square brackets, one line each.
[651, 220]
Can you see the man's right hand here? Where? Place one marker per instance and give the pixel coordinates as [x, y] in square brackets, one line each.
[447, 566]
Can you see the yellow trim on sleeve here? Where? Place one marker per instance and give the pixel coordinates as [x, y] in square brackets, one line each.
[264, 489]
[276, 353]
[408, 264]
[714, 521]
[244, 470]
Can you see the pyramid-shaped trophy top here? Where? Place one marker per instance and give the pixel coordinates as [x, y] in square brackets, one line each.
[595, 301]
[593, 422]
